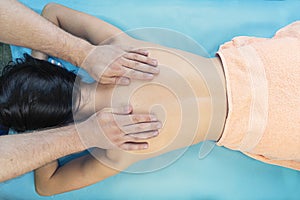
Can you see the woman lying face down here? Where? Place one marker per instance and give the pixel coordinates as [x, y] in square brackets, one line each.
[233, 100]
[36, 94]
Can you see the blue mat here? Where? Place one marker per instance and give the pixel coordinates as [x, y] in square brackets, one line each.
[223, 174]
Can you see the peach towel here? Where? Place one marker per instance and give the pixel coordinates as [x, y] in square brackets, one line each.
[263, 89]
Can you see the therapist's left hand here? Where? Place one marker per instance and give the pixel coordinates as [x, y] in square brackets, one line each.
[111, 64]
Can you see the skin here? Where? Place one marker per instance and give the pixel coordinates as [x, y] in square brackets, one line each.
[127, 62]
[21, 26]
[200, 89]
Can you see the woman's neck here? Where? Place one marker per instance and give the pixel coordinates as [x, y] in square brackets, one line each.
[94, 97]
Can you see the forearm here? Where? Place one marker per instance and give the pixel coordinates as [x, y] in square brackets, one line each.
[83, 171]
[23, 27]
[24, 152]
[90, 28]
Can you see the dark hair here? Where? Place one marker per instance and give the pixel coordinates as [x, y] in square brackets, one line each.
[36, 94]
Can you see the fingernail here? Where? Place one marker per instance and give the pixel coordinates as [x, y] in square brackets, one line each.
[149, 76]
[127, 109]
[156, 70]
[145, 146]
[155, 133]
[145, 52]
[159, 125]
[154, 62]
[153, 118]
[125, 81]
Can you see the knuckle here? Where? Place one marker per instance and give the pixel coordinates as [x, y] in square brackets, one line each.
[135, 119]
[141, 127]
[141, 118]
[133, 138]
[130, 147]
[135, 56]
[147, 118]
[115, 67]
[146, 75]
[137, 75]
[147, 68]
[131, 73]
[135, 64]
[148, 60]
[125, 146]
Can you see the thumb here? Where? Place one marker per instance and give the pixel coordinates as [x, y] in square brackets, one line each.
[123, 110]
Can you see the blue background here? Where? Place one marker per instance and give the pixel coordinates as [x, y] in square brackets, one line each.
[223, 174]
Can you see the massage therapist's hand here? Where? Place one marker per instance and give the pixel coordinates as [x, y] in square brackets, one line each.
[113, 128]
[111, 64]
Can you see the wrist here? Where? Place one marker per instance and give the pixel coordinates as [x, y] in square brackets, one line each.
[87, 132]
[91, 133]
[85, 61]
[74, 142]
[80, 52]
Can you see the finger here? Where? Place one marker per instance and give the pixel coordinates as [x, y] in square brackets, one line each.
[141, 58]
[138, 75]
[140, 136]
[141, 127]
[139, 51]
[114, 80]
[122, 110]
[132, 73]
[115, 69]
[134, 146]
[122, 81]
[140, 66]
[125, 120]
[135, 50]
[124, 67]
[107, 80]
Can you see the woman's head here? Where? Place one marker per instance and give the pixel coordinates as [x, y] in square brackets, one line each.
[36, 94]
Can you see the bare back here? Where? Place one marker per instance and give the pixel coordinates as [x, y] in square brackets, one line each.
[184, 96]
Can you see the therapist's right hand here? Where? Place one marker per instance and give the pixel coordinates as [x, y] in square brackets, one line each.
[113, 128]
